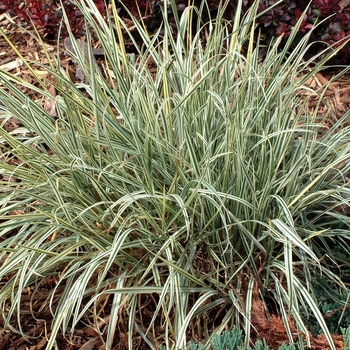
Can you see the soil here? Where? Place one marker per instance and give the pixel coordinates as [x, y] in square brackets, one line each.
[269, 327]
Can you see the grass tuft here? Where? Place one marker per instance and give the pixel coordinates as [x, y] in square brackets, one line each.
[157, 200]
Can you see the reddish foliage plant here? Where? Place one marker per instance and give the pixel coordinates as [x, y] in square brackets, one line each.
[46, 15]
[333, 22]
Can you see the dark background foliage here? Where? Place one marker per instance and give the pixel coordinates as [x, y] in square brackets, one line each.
[335, 21]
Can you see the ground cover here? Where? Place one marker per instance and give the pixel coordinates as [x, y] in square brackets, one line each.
[154, 227]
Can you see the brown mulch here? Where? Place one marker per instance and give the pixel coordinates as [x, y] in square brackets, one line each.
[272, 329]
[269, 327]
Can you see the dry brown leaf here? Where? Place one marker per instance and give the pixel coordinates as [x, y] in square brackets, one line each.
[50, 104]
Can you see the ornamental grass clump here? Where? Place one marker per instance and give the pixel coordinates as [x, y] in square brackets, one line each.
[171, 186]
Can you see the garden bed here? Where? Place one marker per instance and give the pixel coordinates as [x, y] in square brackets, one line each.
[268, 325]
